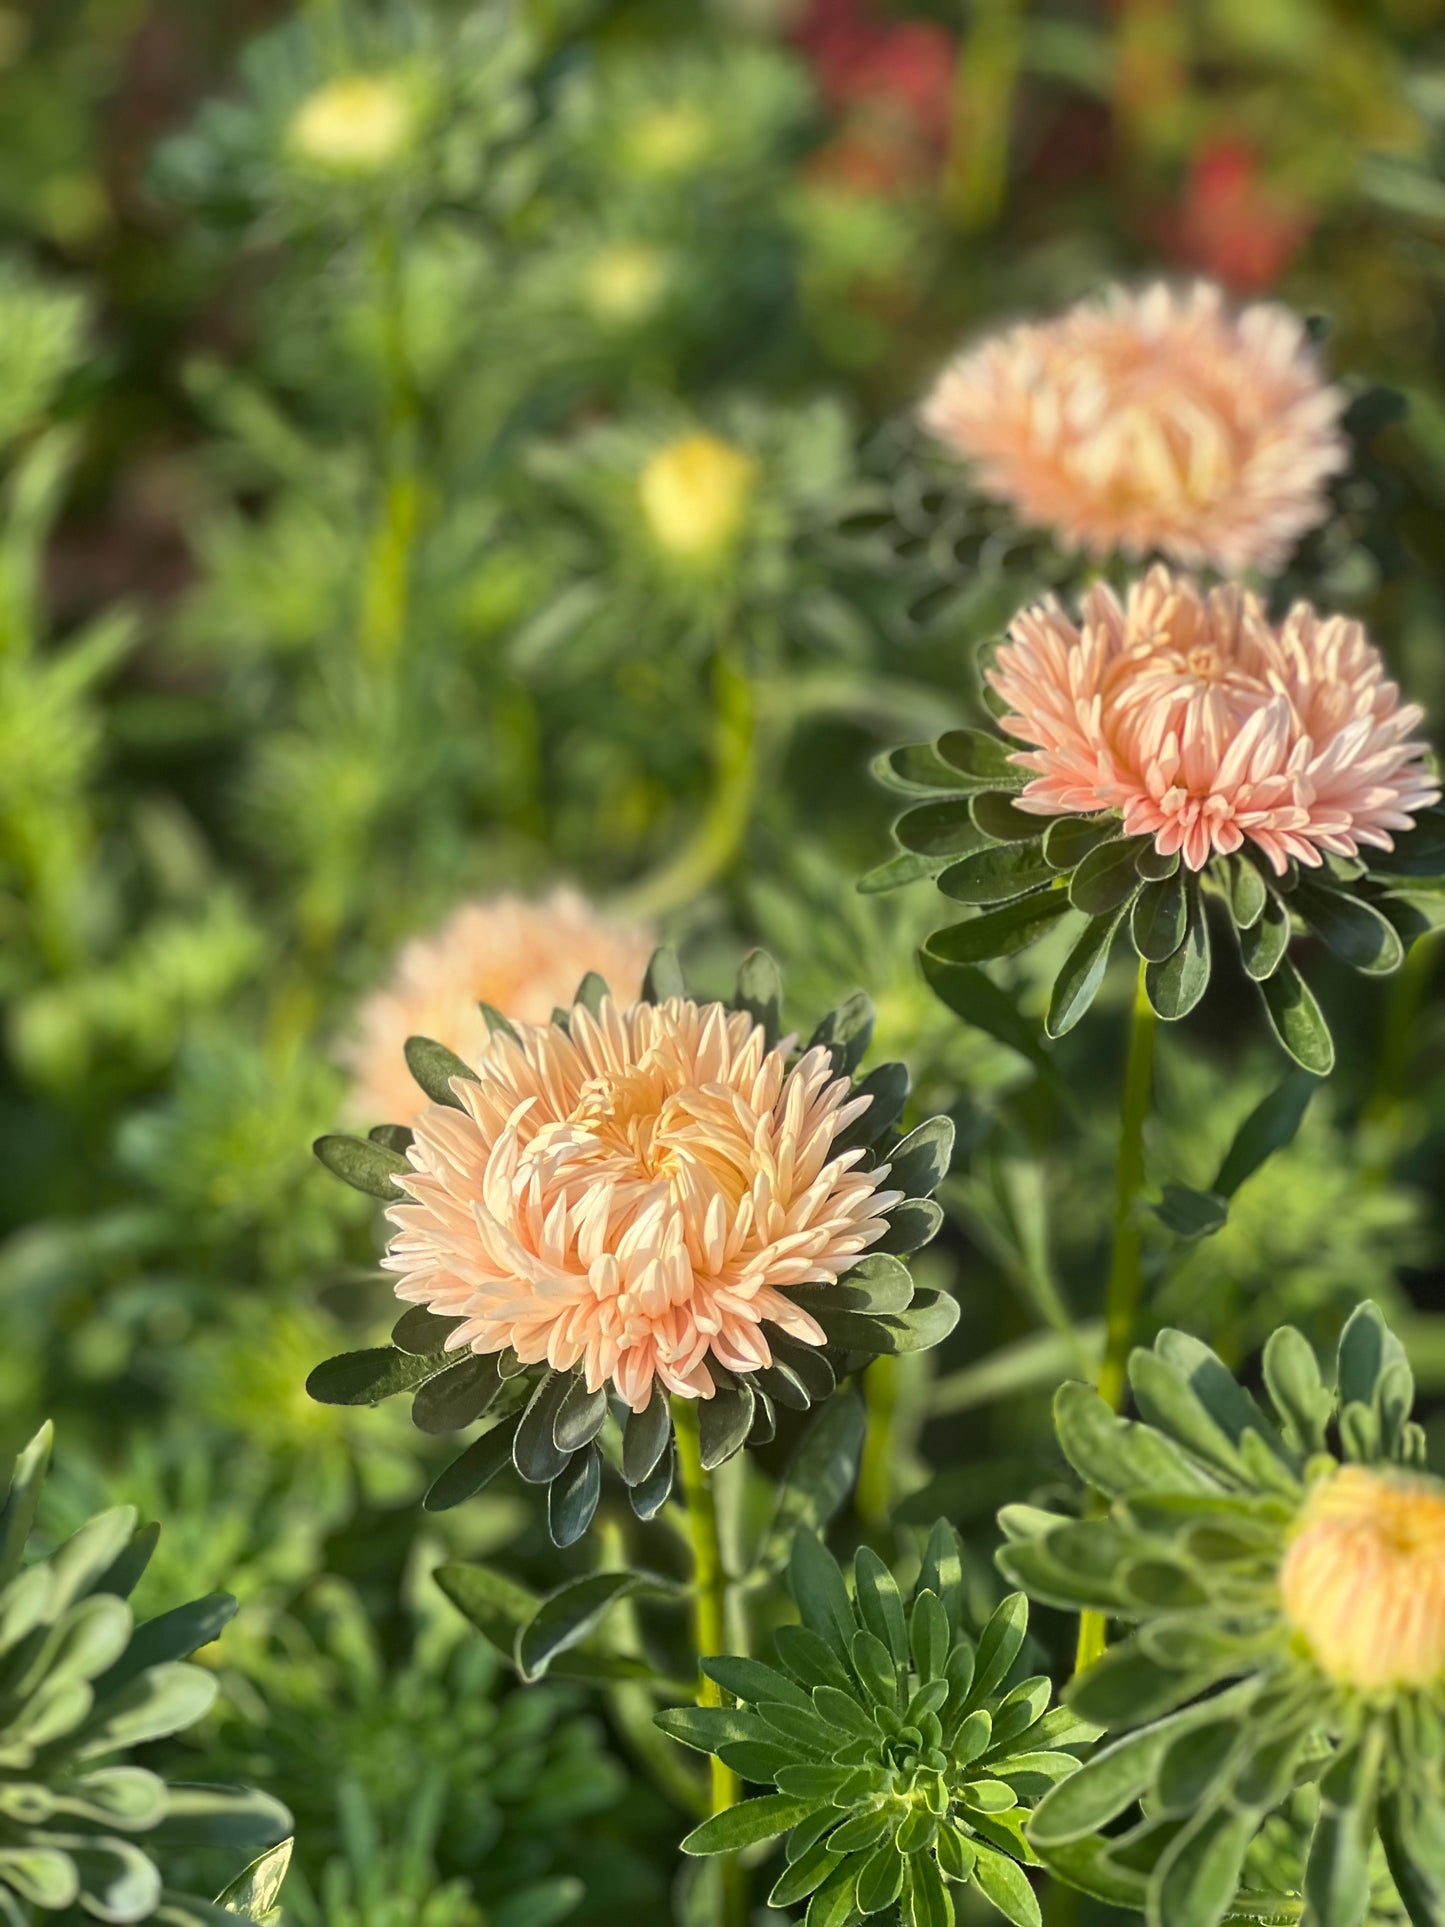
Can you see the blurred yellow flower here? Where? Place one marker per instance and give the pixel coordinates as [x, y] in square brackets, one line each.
[695, 494]
[1363, 1581]
[670, 140]
[356, 125]
[625, 284]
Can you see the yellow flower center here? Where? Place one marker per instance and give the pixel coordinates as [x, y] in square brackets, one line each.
[1363, 1580]
[625, 284]
[356, 125]
[694, 494]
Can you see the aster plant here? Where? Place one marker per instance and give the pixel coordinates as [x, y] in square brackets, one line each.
[905, 1755]
[85, 1834]
[666, 1207]
[1278, 1569]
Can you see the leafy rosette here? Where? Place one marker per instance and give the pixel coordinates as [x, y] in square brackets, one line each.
[84, 1834]
[1282, 1571]
[635, 1204]
[1171, 749]
[905, 1763]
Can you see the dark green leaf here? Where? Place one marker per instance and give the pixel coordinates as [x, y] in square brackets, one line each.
[1248, 892]
[1263, 945]
[423, 1333]
[979, 1001]
[846, 1032]
[920, 1163]
[998, 933]
[572, 1497]
[1081, 973]
[580, 1416]
[1160, 917]
[820, 1594]
[1270, 1126]
[760, 993]
[591, 993]
[1003, 1882]
[570, 1614]
[1352, 928]
[939, 829]
[645, 1437]
[1298, 1021]
[663, 978]
[1106, 878]
[458, 1396]
[1191, 1214]
[723, 1423]
[535, 1451]
[1002, 819]
[911, 1225]
[986, 761]
[996, 875]
[1175, 986]
[747, 1823]
[365, 1378]
[363, 1165]
[1069, 839]
[434, 1066]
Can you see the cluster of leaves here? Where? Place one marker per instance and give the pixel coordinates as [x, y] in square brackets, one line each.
[904, 1761]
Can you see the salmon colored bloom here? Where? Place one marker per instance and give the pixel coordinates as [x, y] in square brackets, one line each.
[1207, 725]
[1157, 422]
[519, 956]
[636, 1196]
[1363, 1580]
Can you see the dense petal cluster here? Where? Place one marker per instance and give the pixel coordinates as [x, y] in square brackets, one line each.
[634, 1194]
[1207, 725]
[523, 957]
[1152, 422]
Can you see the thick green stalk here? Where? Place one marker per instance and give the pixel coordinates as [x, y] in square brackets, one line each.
[709, 1619]
[875, 1470]
[711, 849]
[1126, 1272]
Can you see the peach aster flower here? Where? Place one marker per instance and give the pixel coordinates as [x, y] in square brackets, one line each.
[519, 956]
[1207, 725]
[636, 1197]
[1152, 422]
[1363, 1580]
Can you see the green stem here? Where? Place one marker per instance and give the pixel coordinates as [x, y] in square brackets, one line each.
[386, 594]
[1126, 1272]
[633, 1702]
[716, 841]
[709, 1619]
[986, 84]
[875, 1470]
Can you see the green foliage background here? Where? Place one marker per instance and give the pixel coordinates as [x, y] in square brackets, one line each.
[327, 600]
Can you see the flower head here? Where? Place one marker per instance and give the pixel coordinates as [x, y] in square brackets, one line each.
[1153, 422]
[626, 283]
[523, 957]
[694, 494]
[638, 1200]
[1207, 725]
[358, 124]
[631, 1195]
[1280, 1572]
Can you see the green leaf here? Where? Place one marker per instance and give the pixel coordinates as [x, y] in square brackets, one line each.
[760, 993]
[483, 1459]
[1263, 944]
[580, 1417]
[1160, 918]
[755, 1680]
[363, 1165]
[1106, 879]
[820, 1594]
[915, 768]
[1004, 1883]
[1069, 839]
[1352, 928]
[241, 1818]
[423, 1333]
[646, 1435]
[1191, 1214]
[1292, 1375]
[879, 1604]
[663, 978]
[535, 1451]
[886, 1089]
[256, 1891]
[172, 1635]
[567, 1616]
[591, 992]
[899, 870]
[1298, 1021]
[1002, 819]
[707, 1728]
[365, 1378]
[929, 1635]
[880, 1880]
[984, 760]
[1200, 1872]
[572, 1497]
[434, 1066]
[1270, 1126]
[1176, 985]
[807, 1872]
[979, 1001]
[723, 1423]
[998, 933]
[1081, 973]
[846, 1032]
[165, 1700]
[928, 1904]
[744, 1825]
[920, 1163]
[1248, 892]
[457, 1396]
[998, 1646]
[996, 875]
[819, 1477]
[956, 1855]
[832, 1905]
[939, 829]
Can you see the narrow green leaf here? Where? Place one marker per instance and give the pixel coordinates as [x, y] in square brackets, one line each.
[1082, 972]
[1270, 1126]
[434, 1067]
[1160, 918]
[1263, 944]
[1106, 879]
[365, 1378]
[663, 978]
[572, 1497]
[363, 1165]
[1176, 985]
[998, 933]
[996, 875]
[483, 1459]
[1005, 1884]
[1297, 1020]
[760, 993]
[572, 1612]
[744, 1825]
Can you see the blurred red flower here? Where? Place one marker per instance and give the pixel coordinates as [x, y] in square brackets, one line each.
[1233, 224]
[901, 69]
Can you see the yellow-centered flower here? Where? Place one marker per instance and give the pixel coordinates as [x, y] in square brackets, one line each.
[356, 125]
[695, 494]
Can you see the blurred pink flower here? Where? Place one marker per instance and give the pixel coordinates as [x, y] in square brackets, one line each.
[635, 1197]
[521, 957]
[1207, 725]
[1153, 421]
[1231, 223]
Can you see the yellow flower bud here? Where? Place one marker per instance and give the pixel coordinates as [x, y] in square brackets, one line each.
[1363, 1579]
[670, 140]
[694, 495]
[625, 284]
[357, 125]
